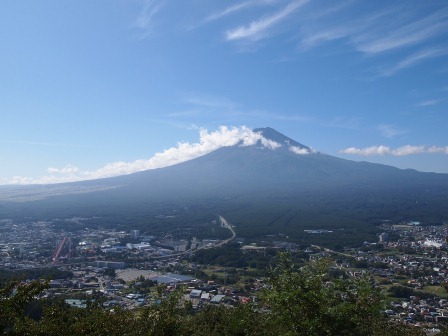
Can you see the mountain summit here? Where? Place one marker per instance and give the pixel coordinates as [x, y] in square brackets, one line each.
[273, 135]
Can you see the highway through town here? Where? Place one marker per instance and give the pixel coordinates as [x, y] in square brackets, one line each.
[224, 223]
[227, 225]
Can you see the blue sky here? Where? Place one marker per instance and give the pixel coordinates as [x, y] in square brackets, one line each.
[98, 88]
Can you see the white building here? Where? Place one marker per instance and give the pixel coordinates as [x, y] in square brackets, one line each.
[135, 234]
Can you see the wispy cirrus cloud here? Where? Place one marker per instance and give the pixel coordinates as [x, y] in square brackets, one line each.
[416, 31]
[237, 8]
[216, 107]
[414, 59]
[319, 37]
[41, 143]
[230, 10]
[430, 102]
[37, 143]
[347, 122]
[403, 35]
[206, 105]
[390, 131]
[400, 151]
[145, 18]
[184, 151]
[376, 32]
[277, 116]
[211, 101]
[258, 29]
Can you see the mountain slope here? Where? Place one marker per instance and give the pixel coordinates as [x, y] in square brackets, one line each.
[264, 191]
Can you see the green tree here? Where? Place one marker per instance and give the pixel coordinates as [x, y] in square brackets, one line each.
[400, 291]
[14, 298]
[307, 301]
[220, 320]
[166, 318]
[110, 272]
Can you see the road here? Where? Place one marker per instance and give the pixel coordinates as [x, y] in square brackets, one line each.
[332, 251]
[224, 223]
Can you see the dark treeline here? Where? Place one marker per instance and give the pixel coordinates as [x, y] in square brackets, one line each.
[33, 274]
[352, 212]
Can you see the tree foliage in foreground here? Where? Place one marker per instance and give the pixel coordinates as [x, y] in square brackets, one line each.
[298, 301]
[307, 301]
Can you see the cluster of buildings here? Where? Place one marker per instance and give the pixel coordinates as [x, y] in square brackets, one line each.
[415, 309]
[121, 266]
[132, 288]
[411, 261]
[40, 244]
[26, 245]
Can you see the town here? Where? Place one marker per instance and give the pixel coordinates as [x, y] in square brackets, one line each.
[409, 261]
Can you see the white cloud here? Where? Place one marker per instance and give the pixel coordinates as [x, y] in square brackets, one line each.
[375, 150]
[69, 169]
[400, 151]
[257, 29]
[184, 151]
[269, 143]
[408, 150]
[49, 179]
[299, 151]
[435, 149]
